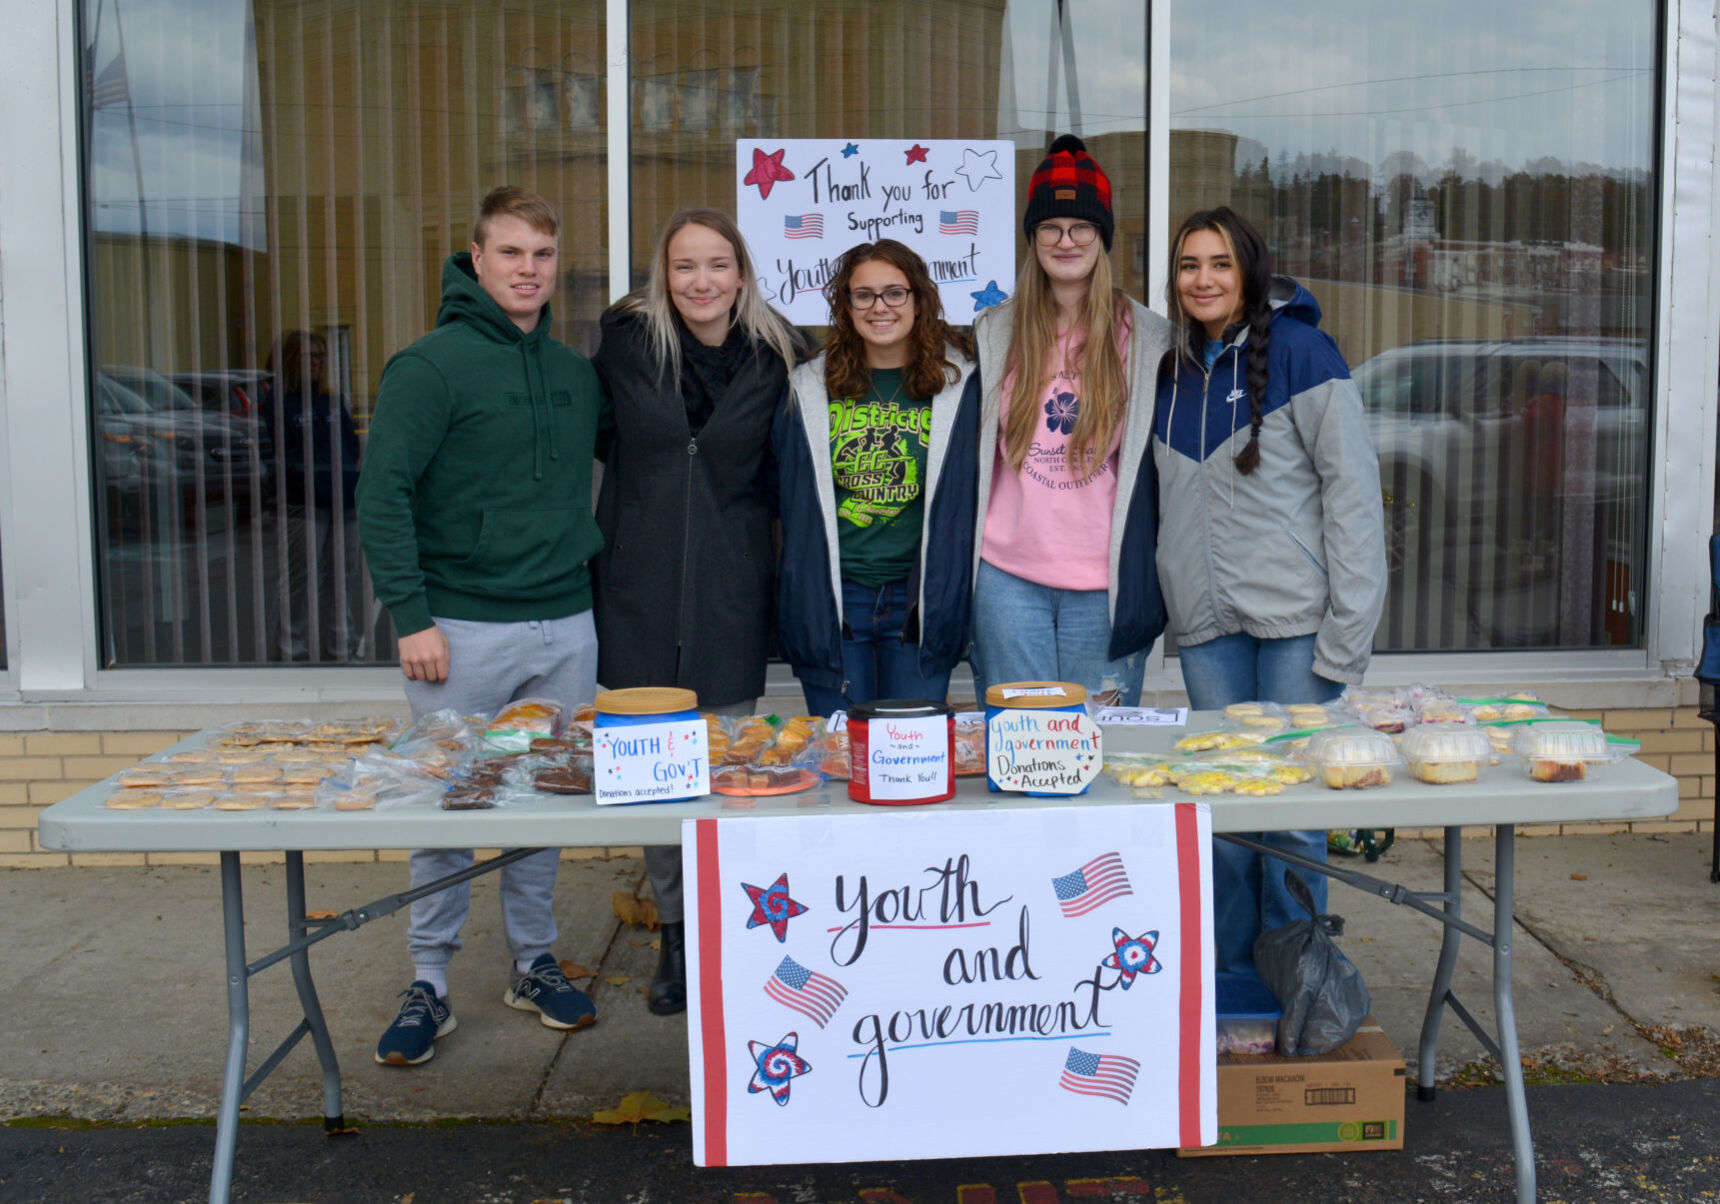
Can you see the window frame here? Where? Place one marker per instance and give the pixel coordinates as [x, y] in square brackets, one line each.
[44, 378]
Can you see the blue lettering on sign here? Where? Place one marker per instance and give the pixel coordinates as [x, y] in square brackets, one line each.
[674, 771]
[641, 746]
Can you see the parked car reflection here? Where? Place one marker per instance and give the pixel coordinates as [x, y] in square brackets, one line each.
[201, 452]
[1513, 475]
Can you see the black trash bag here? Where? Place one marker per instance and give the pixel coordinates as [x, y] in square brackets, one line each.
[1320, 990]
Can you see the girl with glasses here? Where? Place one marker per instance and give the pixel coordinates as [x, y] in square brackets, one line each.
[1271, 539]
[1064, 583]
[693, 363]
[876, 454]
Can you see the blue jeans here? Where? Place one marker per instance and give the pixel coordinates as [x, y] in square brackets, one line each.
[876, 662]
[1248, 895]
[1023, 631]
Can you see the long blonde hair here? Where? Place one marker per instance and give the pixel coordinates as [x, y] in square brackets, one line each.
[1104, 387]
[762, 324]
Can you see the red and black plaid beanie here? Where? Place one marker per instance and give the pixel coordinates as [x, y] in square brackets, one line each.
[1068, 183]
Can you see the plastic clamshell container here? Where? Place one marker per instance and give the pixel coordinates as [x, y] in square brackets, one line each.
[1247, 1014]
[1562, 752]
[1446, 752]
[1352, 757]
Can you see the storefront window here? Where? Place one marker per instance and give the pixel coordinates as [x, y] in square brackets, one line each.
[271, 191]
[706, 72]
[1470, 193]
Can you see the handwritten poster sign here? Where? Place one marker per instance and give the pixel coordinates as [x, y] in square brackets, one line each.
[950, 984]
[1042, 752]
[651, 762]
[803, 201]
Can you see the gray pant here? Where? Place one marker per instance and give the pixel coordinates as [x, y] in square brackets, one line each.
[663, 861]
[490, 665]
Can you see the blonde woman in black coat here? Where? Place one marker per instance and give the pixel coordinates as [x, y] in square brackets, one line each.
[694, 363]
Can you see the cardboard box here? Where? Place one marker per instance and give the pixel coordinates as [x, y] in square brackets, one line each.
[1349, 1099]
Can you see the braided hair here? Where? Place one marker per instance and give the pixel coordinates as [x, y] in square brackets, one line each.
[1253, 261]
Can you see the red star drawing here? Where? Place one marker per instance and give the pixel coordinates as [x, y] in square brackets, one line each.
[767, 170]
[916, 153]
[772, 906]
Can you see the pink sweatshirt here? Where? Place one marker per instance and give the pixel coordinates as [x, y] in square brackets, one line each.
[1042, 524]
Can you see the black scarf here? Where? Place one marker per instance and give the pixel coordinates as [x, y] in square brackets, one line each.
[707, 372]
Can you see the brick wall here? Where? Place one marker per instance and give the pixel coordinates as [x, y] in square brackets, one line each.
[40, 768]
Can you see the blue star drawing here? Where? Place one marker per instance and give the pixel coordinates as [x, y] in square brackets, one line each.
[988, 296]
[1132, 955]
[775, 1067]
[978, 167]
[1061, 412]
[849, 151]
[772, 906]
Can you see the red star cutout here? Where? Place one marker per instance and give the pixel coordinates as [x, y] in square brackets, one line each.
[767, 170]
[916, 153]
[772, 906]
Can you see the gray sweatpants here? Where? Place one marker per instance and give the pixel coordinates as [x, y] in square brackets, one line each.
[490, 665]
[663, 861]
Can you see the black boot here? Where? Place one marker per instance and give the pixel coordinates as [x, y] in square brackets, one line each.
[668, 993]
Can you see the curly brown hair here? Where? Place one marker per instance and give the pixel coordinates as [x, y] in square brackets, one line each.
[929, 370]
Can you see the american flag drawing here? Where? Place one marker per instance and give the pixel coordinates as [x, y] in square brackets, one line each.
[1109, 1075]
[806, 991]
[803, 225]
[958, 221]
[1093, 885]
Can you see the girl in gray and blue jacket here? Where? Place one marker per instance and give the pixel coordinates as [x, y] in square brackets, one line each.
[1271, 548]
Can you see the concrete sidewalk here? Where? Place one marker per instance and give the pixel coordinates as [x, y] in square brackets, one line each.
[117, 1011]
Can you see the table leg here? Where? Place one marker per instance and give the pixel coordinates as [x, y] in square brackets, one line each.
[1448, 946]
[333, 1119]
[1516, 1100]
[238, 1030]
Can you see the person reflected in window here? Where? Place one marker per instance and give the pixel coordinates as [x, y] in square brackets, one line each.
[1064, 584]
[693, 363]
[876, 447]
[1271, 538]
[316, 537]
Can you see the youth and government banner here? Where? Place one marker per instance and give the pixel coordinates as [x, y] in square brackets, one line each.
[929, 984]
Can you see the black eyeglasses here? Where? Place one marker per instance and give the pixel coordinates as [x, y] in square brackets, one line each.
[865, 298]
[1049, 234]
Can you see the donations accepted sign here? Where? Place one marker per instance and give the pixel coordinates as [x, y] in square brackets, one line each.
[950, 984]
[801, 202]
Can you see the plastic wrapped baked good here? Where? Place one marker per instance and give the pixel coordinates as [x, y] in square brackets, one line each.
[516, 725]
[1446, 752]
[1352, 757]
[1440, 708]
[1562, 752]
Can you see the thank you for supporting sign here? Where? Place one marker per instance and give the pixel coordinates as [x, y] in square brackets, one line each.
[950, 984]
[803, 201]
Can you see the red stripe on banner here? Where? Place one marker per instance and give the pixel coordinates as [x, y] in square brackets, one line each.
[710, 937]
[1191, 955]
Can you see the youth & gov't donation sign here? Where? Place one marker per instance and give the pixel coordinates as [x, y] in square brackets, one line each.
[801, 202]
[950, 983]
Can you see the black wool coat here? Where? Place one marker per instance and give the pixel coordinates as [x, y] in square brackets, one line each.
[685, 584]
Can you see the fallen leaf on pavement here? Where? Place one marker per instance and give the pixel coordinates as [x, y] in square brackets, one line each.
[618, 980]
[575, 970]
[641, 1105]
[320, 915]
[631, 909]
[1579, 877]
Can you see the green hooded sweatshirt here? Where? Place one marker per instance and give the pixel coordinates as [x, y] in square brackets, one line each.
[474, 501]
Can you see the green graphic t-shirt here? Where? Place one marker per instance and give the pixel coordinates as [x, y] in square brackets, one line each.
[878, 459]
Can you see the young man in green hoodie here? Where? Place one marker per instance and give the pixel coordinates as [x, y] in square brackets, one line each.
[474, 505]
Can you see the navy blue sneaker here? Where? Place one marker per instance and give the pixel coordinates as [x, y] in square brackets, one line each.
[410, 1040]
[544, 989]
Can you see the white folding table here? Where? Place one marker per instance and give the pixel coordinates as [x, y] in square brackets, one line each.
[1503, 799]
